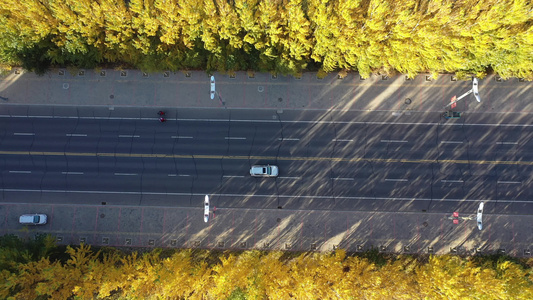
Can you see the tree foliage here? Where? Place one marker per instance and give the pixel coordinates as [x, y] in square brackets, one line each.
[82, 273]
[280, 36]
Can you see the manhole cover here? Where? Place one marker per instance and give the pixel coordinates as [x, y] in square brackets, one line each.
[425, 224]
[407, 101]
[111, 96]
[102, 215]
[279, 220]
[260, 89]
[65, 86]
[280, 99]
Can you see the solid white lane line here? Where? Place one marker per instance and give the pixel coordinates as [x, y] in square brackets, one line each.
[76, 134]
[452, 181]
[393, 179]
[20, 172]
[278, 121]
[341, 140]
[509, 182]
[125, 174]
[128, 136]
[180, 137]
[393, 141]
[451, 142]
[184, 175]
[284, 177]
[260, 195]
[506, 143]
[23, 133]
[288, 139]
[72, 173]
[234, 138]
[232, 176]
[342, 178]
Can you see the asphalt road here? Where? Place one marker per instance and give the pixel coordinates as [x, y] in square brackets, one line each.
[333, 161]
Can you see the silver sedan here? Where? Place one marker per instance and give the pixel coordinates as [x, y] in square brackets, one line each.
[264, 171]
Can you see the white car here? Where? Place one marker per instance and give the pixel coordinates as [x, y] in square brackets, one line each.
[264, 171]
[475, 89]
[206, 208]
[33, 219]
[479, 216]
[212, 87]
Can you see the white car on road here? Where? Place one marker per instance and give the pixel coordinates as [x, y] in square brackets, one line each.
[212, 87]
[206, 208]
[264, 171]
[33, 219]
[479, 216]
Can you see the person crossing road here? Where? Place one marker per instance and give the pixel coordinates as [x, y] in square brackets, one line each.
[161, 116]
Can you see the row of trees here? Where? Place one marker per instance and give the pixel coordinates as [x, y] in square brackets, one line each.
[283, 36]
[200, 274]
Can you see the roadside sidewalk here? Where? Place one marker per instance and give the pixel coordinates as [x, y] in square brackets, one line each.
[133, 88]
[292, 230]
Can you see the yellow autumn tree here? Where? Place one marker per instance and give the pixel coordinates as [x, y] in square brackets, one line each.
[79, 37]
[176, 277]
[231, 273]
[275, 278]
[119, 32]
[254, 35]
